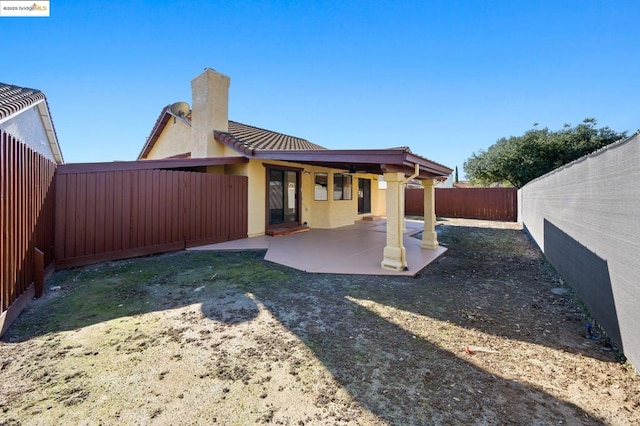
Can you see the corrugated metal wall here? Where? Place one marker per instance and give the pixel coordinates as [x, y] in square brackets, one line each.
[584, 217]
[26, 222]
[469, 203]
[115, 214]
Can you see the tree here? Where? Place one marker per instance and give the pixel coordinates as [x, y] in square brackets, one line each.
[519, 159]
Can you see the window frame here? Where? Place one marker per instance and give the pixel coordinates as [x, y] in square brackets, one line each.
[325, 187]
[343, 178]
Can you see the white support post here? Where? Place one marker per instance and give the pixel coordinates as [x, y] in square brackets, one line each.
[429, 236]
[395, 257]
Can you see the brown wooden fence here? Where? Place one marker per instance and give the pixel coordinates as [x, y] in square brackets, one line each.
[26, 222]
[469, 203]
[113, 212]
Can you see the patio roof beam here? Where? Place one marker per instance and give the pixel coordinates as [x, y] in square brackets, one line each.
[373, 161]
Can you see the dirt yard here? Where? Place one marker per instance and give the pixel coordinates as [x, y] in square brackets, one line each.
[485, 335]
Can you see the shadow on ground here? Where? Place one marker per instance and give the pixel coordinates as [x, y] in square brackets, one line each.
[395, 344]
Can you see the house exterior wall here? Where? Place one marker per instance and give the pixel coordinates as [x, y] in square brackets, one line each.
[381, 204]
[27, 127]
[257, 198]
[331, 213]
[377, 197]
[317, 214]
[175, 139]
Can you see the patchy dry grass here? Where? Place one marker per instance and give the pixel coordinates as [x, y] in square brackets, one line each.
[201, 338]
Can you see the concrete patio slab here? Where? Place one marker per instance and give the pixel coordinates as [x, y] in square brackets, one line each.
[354, 249]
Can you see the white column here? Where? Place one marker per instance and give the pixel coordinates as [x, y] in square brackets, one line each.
[429, 236]
[395, 257]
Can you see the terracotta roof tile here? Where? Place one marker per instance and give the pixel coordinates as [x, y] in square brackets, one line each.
[15, 98]
[252, 137]
[240, 137]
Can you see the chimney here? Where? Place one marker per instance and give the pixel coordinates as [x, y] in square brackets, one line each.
[209, 112]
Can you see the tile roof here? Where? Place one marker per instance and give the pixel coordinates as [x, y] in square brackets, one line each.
[257, 138]
[14, 99]
[253, 141]
[240, 137]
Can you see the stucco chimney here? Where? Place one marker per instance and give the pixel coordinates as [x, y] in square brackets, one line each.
[209, 112]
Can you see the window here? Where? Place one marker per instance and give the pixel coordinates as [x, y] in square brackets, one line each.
[321, 187]
[342, 186]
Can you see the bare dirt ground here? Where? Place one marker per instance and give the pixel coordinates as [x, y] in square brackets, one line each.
[482, 336]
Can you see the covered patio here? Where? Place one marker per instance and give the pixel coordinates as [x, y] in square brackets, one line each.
[354, 249]
[398, 166]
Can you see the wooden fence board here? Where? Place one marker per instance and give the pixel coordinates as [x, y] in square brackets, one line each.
[469, 203]
[153, 211]
[101, 206]
[26, 223]
[69, 216]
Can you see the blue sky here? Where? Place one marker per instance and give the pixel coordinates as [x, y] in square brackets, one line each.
[446, 78]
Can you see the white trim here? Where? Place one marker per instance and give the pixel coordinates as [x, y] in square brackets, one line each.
[47, 123]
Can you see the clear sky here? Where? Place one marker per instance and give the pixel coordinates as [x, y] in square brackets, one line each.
[446, 78]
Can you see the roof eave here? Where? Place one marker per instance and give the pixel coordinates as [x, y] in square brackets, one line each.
[158, 127]
[47, 122]
[229, 140]
[399, 160]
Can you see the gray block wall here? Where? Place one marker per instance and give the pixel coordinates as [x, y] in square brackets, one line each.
[585, 217]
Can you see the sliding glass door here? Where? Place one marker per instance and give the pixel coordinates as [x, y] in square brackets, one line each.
[282, 198]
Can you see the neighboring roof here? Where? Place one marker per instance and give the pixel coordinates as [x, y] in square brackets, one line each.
[254, 142]
[14, 99]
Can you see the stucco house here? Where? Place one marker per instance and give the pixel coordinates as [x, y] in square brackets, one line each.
[24, 113]
[295, 184]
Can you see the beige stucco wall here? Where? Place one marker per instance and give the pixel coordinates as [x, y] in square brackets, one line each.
[330, 213]
[316, 213]
[210, 111]
[378, 200]
[175, 139]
